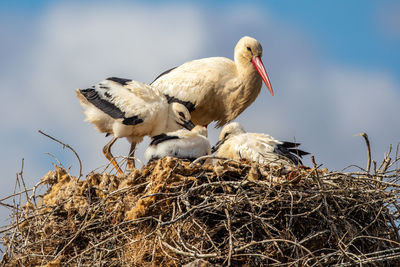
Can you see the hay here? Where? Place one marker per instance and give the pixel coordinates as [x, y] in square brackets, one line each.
[172, 213]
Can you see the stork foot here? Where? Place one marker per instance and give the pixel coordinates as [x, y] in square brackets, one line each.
[131, 160]
[109, 156]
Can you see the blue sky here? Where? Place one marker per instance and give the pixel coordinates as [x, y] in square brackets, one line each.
[350, 31]
[334, 67]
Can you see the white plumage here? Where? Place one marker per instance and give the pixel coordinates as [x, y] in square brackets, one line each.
[235, 143]
[126, 108]
[217, 88]
[181, 144]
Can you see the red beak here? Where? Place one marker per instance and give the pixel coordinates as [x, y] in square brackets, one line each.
[261, 70]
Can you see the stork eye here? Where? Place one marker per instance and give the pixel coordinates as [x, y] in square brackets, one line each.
[248, 48]
[181, 114]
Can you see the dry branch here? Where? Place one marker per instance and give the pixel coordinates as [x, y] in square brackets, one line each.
[67, 146]
[365, 136]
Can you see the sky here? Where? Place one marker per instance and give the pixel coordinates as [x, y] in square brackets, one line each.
[334, 67]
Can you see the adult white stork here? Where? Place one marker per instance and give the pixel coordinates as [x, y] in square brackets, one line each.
[182, 144]
[217, 88]
[127, 108]
[235, 143]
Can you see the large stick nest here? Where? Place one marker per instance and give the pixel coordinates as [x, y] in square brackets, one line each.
[230, 213]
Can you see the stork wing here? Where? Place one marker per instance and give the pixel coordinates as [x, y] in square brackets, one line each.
[129, 100]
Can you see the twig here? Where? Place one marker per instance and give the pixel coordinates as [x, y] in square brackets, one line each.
[16, 194]
[228, 219]
[21, 175]
[386, 164]
[365, 136]
[205, 157]
[194, 255]
[184, 215]
[314, 163]
[253, 243]
[67, 146]
[313, 236]
[384, 255]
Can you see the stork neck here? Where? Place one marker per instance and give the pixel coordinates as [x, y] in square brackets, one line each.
[249, 86]
[165, 122]
[245, 95]
[247, 73]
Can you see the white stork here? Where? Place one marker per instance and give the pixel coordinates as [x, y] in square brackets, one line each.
[235, 143]
[182, 144]
[217, 88]
[127, 108]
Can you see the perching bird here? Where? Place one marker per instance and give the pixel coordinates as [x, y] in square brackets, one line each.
[217, 88]
[181, 144]
[126, 108]
[235, 143]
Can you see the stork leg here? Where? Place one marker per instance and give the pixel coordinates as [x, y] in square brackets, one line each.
[109, 156]
[131, 160]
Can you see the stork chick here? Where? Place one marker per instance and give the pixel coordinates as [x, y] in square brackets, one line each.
[182, 144]
[127, 108]
[235, 143]
[217, 88]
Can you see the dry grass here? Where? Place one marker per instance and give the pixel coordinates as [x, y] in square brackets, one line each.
[230, 213]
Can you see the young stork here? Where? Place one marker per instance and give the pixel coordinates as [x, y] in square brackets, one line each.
[217, 88]
[235, 143]
[127, 108]
[181, 144]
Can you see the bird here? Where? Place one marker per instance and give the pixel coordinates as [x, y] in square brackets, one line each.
[217, 88]
[182, 144]
[235, 143]
[127, 108]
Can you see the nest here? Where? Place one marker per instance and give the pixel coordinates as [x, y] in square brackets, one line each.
[174, 213]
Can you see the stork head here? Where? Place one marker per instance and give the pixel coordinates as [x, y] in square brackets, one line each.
[200, 130]
[181, 115]
[249, 49]
[231, 129]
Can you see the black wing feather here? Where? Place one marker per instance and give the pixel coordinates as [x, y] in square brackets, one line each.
[162, 138]
[109, 108]
[165, 72]
[298, 152]
[121, 81]
[289, 150]
[132, 120]
[290, 144]
[189, 105]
